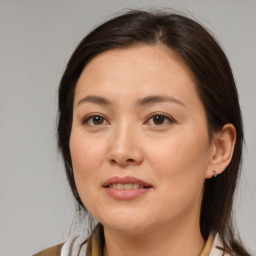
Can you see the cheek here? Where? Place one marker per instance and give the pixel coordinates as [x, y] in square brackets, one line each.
[86, 160]
[85, 153]
[180, 154]
[180, 164]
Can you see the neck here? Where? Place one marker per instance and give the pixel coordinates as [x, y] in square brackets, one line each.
[181, 240]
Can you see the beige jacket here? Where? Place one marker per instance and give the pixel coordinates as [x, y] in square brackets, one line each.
[75, 246]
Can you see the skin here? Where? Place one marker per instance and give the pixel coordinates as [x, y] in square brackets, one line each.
[174, 155]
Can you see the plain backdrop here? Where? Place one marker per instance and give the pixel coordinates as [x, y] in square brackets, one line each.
[37, 38]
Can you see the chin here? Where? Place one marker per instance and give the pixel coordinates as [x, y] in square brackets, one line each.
[127, 229]
[125, 222]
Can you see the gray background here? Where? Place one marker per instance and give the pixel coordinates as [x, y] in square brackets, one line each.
[36, 40]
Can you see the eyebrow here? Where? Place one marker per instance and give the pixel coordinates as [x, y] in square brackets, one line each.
[94, 99]
[140, 102]
[158, 98]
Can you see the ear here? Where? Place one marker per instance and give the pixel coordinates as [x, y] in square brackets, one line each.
[222, 150]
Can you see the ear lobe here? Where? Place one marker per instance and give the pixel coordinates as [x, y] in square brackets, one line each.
[222, 152]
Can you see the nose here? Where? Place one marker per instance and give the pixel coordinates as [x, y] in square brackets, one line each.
[125, 147]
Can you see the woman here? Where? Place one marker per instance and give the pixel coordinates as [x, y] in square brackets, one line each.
[151, 135]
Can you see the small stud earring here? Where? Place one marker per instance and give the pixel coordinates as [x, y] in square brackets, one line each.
[215, 174]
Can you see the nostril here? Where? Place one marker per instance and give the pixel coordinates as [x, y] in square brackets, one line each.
[113, 161]
[122, 162]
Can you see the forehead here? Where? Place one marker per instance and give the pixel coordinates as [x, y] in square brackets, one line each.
[143, 59]
[135, 71]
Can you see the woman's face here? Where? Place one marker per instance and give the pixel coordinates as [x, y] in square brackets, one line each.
[139, 143]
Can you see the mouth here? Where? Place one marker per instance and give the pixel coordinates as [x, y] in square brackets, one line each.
[126, 188]
[127, 182]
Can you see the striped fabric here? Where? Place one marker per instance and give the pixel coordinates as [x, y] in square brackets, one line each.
[80, 246]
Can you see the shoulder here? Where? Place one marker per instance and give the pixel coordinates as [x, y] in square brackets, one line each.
[52, 251]
[75, 245]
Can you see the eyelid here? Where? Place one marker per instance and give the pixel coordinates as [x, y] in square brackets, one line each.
[85, 119]
[166, 116]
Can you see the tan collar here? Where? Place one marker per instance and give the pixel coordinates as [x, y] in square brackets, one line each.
[208, 246]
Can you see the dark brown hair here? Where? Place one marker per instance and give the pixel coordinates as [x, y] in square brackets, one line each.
[215, 84]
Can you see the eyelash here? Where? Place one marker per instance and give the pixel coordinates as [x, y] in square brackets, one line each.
[167, 119]
[86, 119]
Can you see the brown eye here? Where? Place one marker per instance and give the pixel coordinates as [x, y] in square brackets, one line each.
[97, 120]
[94, 120]
[160, 119]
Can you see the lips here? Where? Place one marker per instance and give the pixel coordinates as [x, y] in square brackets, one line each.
[126, 180]
[125, 188]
